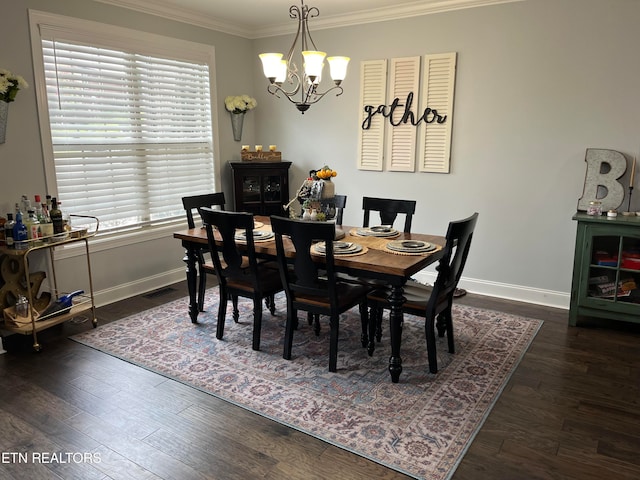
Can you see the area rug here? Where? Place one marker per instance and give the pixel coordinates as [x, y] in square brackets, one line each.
[421, 426]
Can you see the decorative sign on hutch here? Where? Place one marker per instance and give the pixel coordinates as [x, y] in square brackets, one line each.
[604, 168]
[406, 106]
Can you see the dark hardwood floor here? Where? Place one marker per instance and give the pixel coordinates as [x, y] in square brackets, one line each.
[570, 411]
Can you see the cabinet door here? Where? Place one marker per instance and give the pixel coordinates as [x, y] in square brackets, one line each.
[272, 188]
[613, 269]
[251, 194]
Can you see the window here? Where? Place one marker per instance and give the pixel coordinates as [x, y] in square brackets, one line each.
[129, 120]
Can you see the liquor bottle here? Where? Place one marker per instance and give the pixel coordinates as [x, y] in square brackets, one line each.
[33, 226]
[46, 227]
[20, 236]
[56, 217]
[38, 208]
[8, 230]
[25, 205]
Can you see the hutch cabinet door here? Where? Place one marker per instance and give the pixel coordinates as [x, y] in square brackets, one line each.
[261, 188]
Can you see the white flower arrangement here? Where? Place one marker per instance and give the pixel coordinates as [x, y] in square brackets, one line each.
[10, 84]
[240, 103]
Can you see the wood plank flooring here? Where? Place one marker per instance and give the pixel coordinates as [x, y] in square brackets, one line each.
[570, 411]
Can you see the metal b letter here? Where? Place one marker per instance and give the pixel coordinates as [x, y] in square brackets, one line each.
[602, 183]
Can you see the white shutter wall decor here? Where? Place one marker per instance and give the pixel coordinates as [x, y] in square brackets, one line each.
[438, 85]
[373, 87]
[400, 138]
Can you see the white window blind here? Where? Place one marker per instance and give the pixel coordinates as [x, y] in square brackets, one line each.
[131, 132]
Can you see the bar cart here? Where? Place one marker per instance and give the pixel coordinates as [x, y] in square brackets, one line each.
[36, 321]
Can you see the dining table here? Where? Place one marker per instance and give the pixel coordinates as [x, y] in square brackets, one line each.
[375, 261]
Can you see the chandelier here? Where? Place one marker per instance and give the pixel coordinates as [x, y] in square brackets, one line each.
[301, 86]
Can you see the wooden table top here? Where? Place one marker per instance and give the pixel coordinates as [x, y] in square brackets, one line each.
[376, 260]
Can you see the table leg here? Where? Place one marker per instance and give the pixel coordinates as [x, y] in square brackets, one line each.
[191, 259]
[396, 299]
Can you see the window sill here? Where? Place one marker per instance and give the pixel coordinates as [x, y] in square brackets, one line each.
[110, 241]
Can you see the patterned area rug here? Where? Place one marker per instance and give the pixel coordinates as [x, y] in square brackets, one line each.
[421, 426]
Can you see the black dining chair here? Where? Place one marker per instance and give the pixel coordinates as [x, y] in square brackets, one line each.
[388, 209]
[312, 285]
[237, 268]
[338, 203]
[436, 302]
[191, 203]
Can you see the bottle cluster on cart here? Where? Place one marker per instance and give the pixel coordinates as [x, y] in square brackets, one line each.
[33, 224]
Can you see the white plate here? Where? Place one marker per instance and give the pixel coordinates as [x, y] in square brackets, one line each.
[382, 229]
[339, 248]
[410, 246]
[377, 231]
[257, 235]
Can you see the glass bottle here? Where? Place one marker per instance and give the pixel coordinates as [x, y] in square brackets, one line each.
[56, 217]
[33, 227]
[8, 230]
[20, 236]
[46, 227]
[38, 208]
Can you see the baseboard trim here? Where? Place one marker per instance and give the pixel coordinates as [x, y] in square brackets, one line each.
[506, 291]
[519, 293]
[138, 287]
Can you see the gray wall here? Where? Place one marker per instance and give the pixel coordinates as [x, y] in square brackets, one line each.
[538, 83]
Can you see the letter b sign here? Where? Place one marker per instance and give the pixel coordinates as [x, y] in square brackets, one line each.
[597, 176]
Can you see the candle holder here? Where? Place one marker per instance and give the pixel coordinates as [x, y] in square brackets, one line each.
[630, 193]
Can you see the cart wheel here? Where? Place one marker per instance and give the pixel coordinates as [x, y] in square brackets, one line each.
[37, 347]
[94, 322]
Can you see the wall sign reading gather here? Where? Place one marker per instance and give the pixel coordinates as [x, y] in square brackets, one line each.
[406, 113]
[428, 116]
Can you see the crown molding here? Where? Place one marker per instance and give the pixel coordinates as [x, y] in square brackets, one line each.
[192, 17]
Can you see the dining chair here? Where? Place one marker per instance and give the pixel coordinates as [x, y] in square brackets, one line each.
[388, 209]
[238, 270]
[191, 203]
[311, 285]
[338, 202]
[431, 302]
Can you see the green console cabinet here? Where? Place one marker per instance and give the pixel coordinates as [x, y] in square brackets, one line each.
[606, 268]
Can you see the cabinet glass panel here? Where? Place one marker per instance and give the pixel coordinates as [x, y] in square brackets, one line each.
[630, 270]
[614, 273]
[605, 250]
[272, 188]
[251, 188]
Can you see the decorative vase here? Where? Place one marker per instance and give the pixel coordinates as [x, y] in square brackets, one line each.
[314, 215]
[4, 113]
[237, 119]
[328, 189]
[307, 214]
